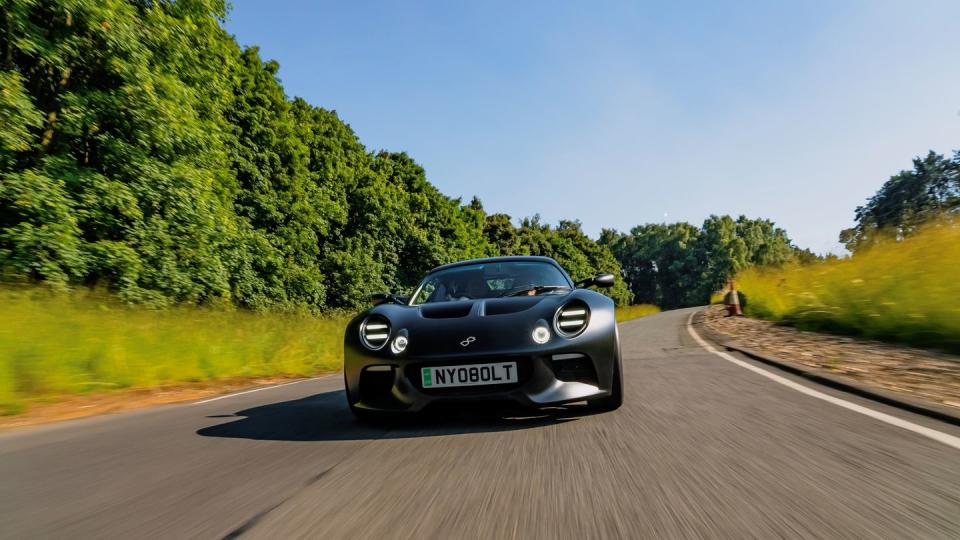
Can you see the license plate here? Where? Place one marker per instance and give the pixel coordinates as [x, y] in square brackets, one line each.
[469, 375]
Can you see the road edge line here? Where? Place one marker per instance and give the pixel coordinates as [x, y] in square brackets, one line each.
[225, 396]
[938, 436]
[910, 404]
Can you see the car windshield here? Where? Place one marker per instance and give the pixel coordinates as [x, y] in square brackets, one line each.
[490, 280]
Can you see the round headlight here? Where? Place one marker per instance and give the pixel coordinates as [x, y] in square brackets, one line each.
[572, 318]
[541, 334]
[399, 344]
[375, 332]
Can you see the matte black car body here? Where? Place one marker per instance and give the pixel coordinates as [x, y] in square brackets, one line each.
[565, 369]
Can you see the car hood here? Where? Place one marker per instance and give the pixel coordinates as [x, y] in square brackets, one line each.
[496, 325]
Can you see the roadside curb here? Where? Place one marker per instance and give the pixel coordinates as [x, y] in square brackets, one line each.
[844, 384]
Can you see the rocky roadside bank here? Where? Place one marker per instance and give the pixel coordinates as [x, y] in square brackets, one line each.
[915, 373]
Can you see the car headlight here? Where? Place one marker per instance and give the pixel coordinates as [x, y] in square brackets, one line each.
[375, 332]
[541, 334]
[572, 318]
[399, 344]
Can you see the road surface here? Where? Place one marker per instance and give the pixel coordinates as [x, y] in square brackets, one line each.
[703, 447]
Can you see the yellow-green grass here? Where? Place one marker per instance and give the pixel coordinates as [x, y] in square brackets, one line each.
[626, 313]
[54, 345]
[903, 291]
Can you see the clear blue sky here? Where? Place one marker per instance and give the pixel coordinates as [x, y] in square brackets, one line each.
[625, 113]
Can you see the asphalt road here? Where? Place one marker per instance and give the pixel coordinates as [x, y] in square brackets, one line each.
[701, 448]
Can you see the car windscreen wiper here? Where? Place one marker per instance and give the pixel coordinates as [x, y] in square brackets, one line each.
[536, 290]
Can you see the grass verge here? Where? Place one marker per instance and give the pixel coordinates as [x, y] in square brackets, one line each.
[632, 312]
[904, 291]
[58, 345]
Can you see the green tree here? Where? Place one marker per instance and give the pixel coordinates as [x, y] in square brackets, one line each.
[726, 247]
[119, 181]
[340, 165]
[583, 258]
[676, 265]
[283, 208]
[906, 200]
[430, 228]
[659, 262]
[502, 235]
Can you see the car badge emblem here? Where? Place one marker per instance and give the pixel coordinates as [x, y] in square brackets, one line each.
[467, 341]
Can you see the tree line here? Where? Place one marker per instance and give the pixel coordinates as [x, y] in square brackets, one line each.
[143, 149]
[678, 264]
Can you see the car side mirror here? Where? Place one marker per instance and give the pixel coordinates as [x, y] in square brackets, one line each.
[388, 298]
[602, 280]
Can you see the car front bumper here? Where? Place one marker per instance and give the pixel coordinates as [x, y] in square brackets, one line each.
[394, 384]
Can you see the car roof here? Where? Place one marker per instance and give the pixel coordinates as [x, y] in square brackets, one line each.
[506, 258]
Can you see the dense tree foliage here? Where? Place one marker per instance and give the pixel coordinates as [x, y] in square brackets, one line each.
[141, 148]
[931, 189]
[678, 264]
[113, 139]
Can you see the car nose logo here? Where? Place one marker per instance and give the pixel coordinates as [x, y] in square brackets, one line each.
[467, 341]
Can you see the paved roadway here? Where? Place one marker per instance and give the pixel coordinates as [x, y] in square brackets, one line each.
[702, 448]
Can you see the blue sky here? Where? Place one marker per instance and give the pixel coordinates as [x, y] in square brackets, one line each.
[625, 113]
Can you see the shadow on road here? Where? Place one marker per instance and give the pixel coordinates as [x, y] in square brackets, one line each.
[325, 417]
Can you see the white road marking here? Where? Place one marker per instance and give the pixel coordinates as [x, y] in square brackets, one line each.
[258, 390]
[938, 436]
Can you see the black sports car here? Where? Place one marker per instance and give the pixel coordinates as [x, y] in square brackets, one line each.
[500, 329]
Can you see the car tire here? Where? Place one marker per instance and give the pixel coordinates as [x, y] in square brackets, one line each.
[615, 399]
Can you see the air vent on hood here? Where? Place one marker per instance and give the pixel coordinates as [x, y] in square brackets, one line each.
[446, 310]
[375, 331]
[503, 306]
[572, 318]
